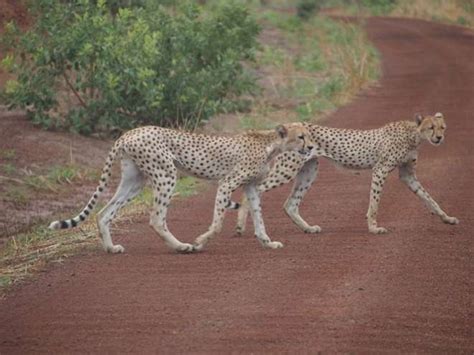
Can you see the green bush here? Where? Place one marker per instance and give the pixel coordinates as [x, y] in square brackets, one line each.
[84, 67]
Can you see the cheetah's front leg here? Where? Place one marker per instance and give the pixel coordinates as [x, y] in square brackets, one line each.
[379, 175]
[408, 177]
[286, 167]
[253, 198]
[303, 182]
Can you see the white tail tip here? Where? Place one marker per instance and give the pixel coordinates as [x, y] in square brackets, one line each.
[55, 225]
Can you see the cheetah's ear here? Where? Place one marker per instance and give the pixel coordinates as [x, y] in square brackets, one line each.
[282, 131]
[418, 118]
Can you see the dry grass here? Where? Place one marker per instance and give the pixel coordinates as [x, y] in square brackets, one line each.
[306, 69]
[459, 12]
[27, 253]
[20, 184]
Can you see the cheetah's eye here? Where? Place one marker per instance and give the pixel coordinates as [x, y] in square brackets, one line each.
[301, 136]
[431, 127]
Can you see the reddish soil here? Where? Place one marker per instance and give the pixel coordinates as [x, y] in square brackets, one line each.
[25, 150]
[341, 291]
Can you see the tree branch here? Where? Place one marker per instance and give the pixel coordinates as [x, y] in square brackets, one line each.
[81, 101]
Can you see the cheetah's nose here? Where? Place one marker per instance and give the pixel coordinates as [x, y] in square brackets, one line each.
[310, 147]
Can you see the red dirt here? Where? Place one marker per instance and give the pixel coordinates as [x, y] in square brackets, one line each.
[38, 151]
[342, 291]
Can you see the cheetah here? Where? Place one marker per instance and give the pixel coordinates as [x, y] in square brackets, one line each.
[155, 154]
[383, 149]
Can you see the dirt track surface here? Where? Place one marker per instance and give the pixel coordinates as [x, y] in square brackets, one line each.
[342, 290]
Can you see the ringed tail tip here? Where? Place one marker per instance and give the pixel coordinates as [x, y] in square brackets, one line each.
[55, 225]
[62, 224]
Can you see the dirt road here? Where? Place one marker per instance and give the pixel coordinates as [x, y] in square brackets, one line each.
[343, 290]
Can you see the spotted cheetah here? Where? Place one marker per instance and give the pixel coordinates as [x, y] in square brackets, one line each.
[383, 149]
[155, 154]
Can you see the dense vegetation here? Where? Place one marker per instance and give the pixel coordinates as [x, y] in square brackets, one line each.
[91, 65]
[96, 65]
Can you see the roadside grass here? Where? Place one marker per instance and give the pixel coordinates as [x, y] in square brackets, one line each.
[31, 251]
[8, 168]
[459, 12]
[7, 154]
[334, 61]
[249, 122]
[186, 186]
[20, 184]
[306, 69]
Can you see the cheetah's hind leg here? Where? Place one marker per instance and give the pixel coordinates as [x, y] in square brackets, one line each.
[131, 184]
[242, 216]
[162, 191]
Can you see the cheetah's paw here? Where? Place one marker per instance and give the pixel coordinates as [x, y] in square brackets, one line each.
[239, 231]
[186, 248]
[197, 247]
[378, 230]
[450, 220]
[115, 249]
[312, 229]
[274, 245]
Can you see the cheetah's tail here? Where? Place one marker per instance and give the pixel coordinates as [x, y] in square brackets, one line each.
[104, 178]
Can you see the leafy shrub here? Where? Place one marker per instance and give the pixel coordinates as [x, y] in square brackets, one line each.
[81, 66]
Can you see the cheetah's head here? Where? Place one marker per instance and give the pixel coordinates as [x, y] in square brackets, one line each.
[431, 128]
[295, 136]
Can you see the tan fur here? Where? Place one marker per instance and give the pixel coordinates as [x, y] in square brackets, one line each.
[382, 150]
[155, 154]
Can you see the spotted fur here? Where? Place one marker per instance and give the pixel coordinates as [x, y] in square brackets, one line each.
[155, 154]
[382, 150]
